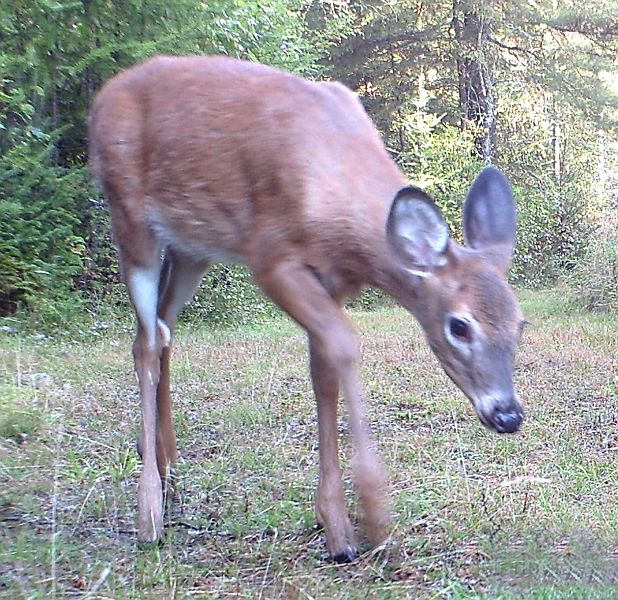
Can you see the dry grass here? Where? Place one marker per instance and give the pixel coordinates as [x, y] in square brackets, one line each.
[476, 515]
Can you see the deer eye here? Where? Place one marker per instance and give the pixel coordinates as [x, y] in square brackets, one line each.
[460, 329]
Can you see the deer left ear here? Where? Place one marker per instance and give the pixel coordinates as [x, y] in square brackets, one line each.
[489, 216]
[416, 231]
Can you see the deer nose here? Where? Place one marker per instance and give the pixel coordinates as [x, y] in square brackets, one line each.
[507, 421]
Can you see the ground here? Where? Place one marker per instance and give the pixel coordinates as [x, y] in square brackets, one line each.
[475, 514]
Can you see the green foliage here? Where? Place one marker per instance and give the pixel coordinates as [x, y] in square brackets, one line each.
[369, 299]
[272, 32]
[440, 158]
[18, 417]
[55, 247]
[40, 249]
[595, 277]
[404, 58]
[552, 235]
[228, 296]
[554, 198]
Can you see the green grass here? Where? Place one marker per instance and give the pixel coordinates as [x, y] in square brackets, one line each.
[475, 515]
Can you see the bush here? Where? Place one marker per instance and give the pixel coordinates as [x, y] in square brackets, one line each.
[370, 299]
[40, 250]
[229, 296]
[440, 158]
[552, 235]
[595, 279]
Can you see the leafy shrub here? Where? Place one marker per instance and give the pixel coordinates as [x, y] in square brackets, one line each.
[40, 250]
[595, 278]
[440, 158]
[552, 235]
[370, 299]
[228, 296]
[553, 198]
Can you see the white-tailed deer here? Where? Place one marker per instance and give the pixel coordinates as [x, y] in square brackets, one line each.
[208, 159]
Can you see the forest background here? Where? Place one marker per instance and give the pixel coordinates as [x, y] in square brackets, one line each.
[451, 84]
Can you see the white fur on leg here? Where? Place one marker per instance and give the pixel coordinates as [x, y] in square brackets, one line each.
[166, 334]
[143, 285]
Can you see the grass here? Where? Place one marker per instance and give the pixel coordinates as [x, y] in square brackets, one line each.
[476, 515]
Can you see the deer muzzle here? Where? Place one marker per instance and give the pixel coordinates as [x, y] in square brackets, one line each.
[501, 415]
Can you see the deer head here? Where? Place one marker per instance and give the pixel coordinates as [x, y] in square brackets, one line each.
[467, 309]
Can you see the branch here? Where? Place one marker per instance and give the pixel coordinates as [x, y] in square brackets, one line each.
[585, 28]
[509, 47]
[408, 37]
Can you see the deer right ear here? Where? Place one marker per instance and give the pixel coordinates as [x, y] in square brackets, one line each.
[416, 231]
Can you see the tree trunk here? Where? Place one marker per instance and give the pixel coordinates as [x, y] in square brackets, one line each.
[477, 99]
[557, 140]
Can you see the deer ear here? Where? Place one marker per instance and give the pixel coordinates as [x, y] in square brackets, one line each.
[489, 217]
[416, 231]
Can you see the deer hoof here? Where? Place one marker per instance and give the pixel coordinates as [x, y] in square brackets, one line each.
[150, 531]
[349, 555]
[146, 545]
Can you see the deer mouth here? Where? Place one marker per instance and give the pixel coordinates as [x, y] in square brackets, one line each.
[502, 416]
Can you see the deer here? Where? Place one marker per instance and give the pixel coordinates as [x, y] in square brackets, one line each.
[210, 159]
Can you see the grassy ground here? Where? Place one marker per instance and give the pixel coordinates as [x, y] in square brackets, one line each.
[476, 515]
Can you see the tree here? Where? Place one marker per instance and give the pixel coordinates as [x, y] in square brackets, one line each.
[472, 28]
[53, 57]
[520, 83]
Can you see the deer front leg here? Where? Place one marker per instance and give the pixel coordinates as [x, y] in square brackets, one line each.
[334, 355]
[330, 508]
[333, 360]
[369, 472]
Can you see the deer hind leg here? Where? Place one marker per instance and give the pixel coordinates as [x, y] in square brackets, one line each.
[142, 279]
[333, 359]
[179, 280]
